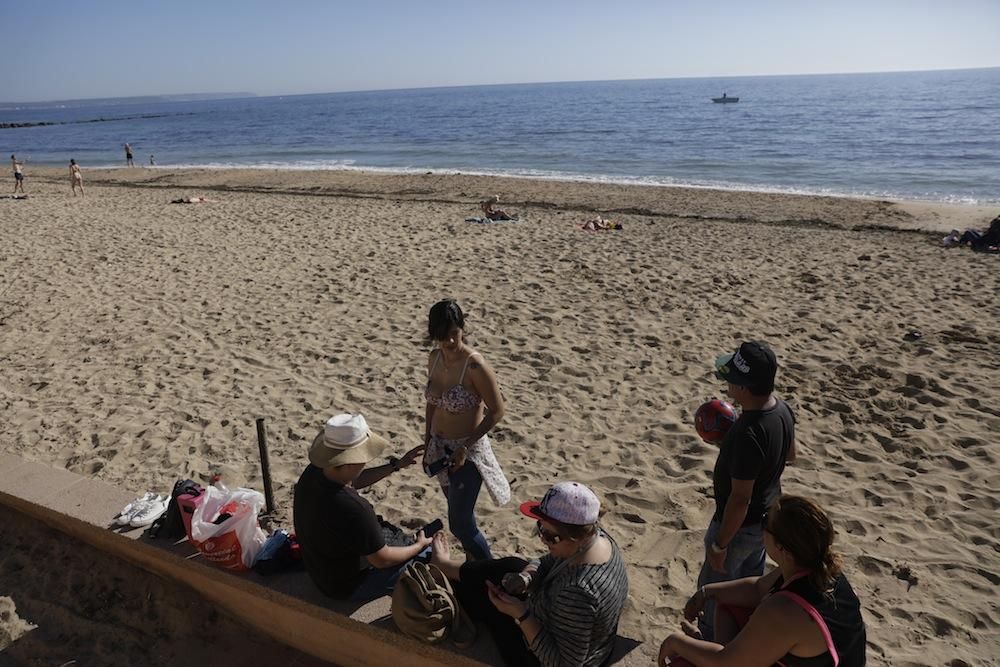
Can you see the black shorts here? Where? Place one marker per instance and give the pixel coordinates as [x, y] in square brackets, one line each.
[18, 176]
[128, 156]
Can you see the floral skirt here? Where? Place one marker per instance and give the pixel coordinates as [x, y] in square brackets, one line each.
[481, 455]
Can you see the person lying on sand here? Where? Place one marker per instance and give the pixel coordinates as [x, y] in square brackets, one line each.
[804, 611]
[987, 240]
[192, 200]
[495, 213]
[600, 224]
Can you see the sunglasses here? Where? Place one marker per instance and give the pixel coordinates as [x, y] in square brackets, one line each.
[547, 537]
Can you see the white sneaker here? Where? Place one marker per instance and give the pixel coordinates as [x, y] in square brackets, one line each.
[149, 512]
[130, 510]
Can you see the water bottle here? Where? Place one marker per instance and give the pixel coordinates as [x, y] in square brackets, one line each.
[230, 507]
[217, 483]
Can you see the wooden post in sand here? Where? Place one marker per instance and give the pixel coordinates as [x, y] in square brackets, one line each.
[265, 465]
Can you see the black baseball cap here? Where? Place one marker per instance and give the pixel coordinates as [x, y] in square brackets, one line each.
[753, 364]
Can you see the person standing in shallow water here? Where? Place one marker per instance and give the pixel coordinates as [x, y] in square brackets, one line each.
[464, 403]
[128, 156]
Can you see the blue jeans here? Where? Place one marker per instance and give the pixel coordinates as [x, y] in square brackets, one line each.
[378, 582]
[972, 237]
[463, 491]
[745, 557]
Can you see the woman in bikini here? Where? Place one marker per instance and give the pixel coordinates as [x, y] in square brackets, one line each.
[76, 177]
[463, 405]
[803, 614]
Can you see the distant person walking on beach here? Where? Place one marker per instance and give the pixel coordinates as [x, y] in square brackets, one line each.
[747, 474]
[464, 403]
[152, 160]
[18, 174]
[76, 177]
[128, 156]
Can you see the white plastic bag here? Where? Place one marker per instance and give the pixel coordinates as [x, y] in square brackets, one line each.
[234, 543]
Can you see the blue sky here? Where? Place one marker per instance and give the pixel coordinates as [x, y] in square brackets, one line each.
[102, 48]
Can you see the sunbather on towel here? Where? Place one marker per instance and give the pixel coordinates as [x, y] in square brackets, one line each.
[191, 200]
[600, 223]
[495, 213]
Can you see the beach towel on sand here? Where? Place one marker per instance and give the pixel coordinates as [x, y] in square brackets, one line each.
[487, 221]
[591, 228]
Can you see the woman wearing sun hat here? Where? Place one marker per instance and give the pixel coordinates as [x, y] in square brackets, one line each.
[561, 609]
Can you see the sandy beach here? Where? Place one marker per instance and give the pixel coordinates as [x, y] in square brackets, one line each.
[139, 340]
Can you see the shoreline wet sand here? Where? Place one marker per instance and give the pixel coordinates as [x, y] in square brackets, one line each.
[140, 339]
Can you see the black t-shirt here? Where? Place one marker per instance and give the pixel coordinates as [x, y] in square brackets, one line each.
[336, 529]
[755, 448]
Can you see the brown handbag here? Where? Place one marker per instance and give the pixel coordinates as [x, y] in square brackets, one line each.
[424, 606]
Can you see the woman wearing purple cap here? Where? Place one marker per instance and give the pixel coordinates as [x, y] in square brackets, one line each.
[561, 609]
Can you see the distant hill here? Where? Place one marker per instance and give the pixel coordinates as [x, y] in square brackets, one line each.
[115, 101]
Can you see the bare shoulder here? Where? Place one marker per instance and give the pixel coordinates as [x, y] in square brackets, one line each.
[781, 609]
[477, 362]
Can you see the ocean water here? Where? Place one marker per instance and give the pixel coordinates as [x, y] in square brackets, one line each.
[913, 135]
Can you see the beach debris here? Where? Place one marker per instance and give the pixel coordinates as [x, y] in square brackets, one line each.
[913, 335]
[903, 572]
[12, 627]
[631, 517]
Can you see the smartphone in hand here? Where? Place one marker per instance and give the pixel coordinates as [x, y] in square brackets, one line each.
[433, 527]
[435, 467]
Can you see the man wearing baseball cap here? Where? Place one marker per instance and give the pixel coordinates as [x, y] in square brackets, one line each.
[747, 474]
[343, 541]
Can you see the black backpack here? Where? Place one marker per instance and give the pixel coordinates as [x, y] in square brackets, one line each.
[170, 525]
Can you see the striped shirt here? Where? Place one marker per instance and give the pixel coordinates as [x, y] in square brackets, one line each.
[578, 610]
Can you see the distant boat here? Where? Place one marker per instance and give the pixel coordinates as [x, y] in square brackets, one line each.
[725, 99]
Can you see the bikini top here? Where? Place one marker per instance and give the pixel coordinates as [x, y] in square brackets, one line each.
[458, 398]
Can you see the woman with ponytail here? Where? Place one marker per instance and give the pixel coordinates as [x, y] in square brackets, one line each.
[802, 614]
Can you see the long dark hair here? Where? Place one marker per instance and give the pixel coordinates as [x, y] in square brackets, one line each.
[444, 315]
[806, 532]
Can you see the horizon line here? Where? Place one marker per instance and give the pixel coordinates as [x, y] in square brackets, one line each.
[247, 94]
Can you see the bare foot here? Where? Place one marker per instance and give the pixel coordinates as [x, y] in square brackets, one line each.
[691, 630]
